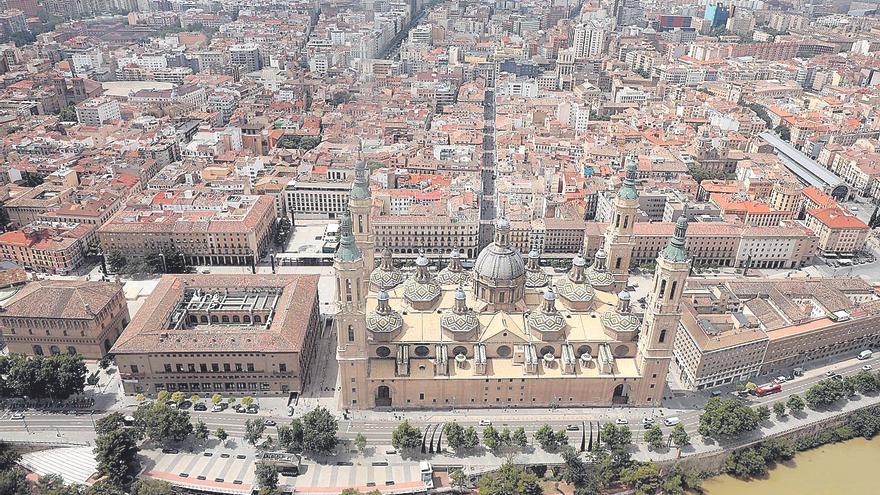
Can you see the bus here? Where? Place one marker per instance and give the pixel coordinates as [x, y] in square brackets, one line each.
[767, 389]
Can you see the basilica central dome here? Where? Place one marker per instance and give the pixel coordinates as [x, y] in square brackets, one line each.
[500, 271]
[499, 260]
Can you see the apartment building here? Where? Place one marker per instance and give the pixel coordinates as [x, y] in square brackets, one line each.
[735, 329]
[432, 232]
[312, 198]
[207, 228]
[788, 245]
[838, 231]
[64, 316]
[52, 247]
[751, 212]
[29, 207]
[98, 111]
[251, 335]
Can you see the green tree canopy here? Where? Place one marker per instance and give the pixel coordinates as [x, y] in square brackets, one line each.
[727, 419]
[116, 453]
[147, 486]
[319, 431]
[509, 480]
[406, 437]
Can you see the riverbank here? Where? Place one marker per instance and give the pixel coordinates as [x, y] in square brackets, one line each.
[831, 468]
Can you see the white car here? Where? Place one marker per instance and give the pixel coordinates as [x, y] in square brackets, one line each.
[648, 421]
[485, 422]
[217, 408]
[867, 367]
[780, 379]
[17, 416]
[622, 421]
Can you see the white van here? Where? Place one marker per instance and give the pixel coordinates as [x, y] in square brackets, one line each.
[674, 420]
[866, 354]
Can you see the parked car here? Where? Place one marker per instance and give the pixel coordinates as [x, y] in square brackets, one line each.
[780, 379]
[867, 367]
[672, 421]
[251, 410]
[200, 407]
[572, 427]
[622, 421]
[217, 408]
[648, 421]
[485, 422]
[17, 415]
[269, 422]
[168, 450]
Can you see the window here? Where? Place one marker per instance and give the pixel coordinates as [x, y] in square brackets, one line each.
[226, 367]
[662, 336]
[383, 351]
[422, 351]
[238, 367]
[504, 351]
[350, 333]
[618, 262]
[662, 288]
[167, 368]
[250, 366]
[191, 368]
[135, 369]
[282, 368]
[203, 368]
[672, 290]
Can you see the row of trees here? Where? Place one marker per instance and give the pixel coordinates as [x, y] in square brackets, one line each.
[829, 391]
[54, 377]
[168, 260]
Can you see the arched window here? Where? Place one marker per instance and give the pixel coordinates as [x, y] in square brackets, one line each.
[54, 350]
[257, 319]
[672, 289]
[617, 220]
[247, 318]
[662, 336]
[350, 333]
[360, 224]
[625, 222]
[618, 263]
[38, 350]
[214, 319]
[71, 350]
[347, 290]
[225, 319]
[662, 288]
[204, 319]
[236, 319]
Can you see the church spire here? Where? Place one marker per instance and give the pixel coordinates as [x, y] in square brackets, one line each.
[675, 249]
[348, 250]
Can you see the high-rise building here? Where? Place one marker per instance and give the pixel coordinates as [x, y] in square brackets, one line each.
[589, 39]
[246, 57]
[718, 14]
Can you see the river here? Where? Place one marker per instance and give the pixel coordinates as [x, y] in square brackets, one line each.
[849, 467]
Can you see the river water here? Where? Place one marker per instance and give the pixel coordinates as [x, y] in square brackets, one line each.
[849, 467]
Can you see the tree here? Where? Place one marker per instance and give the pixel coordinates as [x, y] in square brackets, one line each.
[194, 398]
[53, 484]
[550, 440]
[290, 438]
[826, 392]
[139, 398]
[795, 404]
[55, 377]
[458, 479]
[779, 409]
[116, 453]
[643, 477]
[753, 461]
[360, 441]
[864, 382]
[247, 400]
[116, 262]
[162, 396]
[783, 132]
[8, 456]
[253, 430]
[147, 486]
[163, 424]
[654, 437]
[111, 422]
[200, 431]
[491, 438]
[319, 431]
[406, 437]
[13, 482]
[105, 487]
[454, 435]
[617, 441]
[679, 436]
[763, 413]
[267, 476]
[221, 435]
[216, 399]
[178, 397]
[575, 471]
[727, 419]
[519, 438]
[510, 480]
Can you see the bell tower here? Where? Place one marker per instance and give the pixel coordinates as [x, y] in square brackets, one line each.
[619, 236]
[360, 203]
[662, 317]
[351, 323]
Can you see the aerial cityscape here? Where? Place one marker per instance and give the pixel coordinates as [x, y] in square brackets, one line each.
[489, 247]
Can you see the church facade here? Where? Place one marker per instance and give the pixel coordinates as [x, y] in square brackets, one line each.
[504, 334]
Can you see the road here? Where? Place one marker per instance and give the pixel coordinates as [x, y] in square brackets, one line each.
[488, 172]
[378, 429]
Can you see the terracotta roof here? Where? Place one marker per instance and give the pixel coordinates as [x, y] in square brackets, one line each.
[149, 330]
[61, 299]
[835, 218]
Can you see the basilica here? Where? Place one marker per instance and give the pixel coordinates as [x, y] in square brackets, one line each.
[504, 334]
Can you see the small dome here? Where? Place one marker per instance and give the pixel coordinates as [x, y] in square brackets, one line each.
[549, 295]
[503, 223]
[534, 254]
[382, 296]
[421, 260]
[460, 295]
[499, 263]
[579, 260]
[455, 254]
[624, 295]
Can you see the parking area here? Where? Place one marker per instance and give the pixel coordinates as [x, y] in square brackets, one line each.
[220, 470]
